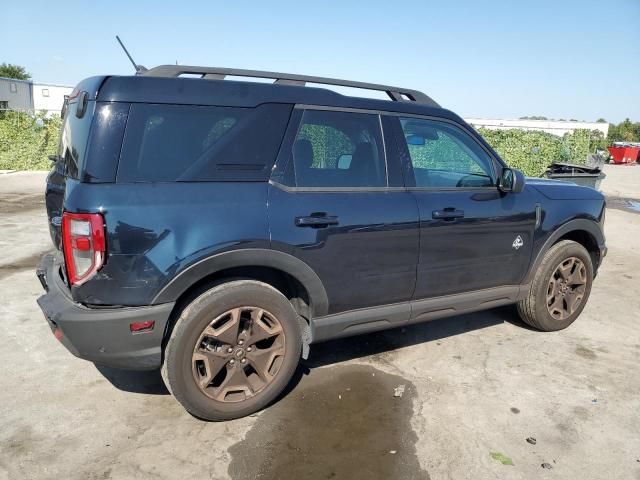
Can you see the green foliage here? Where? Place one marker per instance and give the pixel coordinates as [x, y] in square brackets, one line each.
[8, 70]
[328, 144]
[626, 131]
[26, 140]
[443, 154]
[532, 152]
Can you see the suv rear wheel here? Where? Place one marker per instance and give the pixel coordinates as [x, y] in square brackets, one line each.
[233, 350]
[560, 288]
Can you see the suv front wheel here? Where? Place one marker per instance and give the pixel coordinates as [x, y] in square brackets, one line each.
[560, 287]
[233, 350]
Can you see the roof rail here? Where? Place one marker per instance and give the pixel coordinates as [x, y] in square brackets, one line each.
[397, 94]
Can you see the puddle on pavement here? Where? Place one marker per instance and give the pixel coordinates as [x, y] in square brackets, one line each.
[338, 422]
[626, 204]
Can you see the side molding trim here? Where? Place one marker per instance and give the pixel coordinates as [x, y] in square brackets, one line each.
[389, 316]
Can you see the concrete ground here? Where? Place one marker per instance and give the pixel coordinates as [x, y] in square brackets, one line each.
[475, 388]
[621, 181]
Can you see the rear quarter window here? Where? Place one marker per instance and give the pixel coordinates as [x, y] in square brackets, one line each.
[165, 143]
[74, 137]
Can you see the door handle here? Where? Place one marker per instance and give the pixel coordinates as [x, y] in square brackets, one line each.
[316, 221]
[447, 214]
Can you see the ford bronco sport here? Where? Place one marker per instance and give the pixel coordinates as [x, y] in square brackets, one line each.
[216, 228]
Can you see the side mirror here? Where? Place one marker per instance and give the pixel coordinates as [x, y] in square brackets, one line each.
[511, 180]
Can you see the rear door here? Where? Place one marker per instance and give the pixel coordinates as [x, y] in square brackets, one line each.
[472, 236]
[337, 202]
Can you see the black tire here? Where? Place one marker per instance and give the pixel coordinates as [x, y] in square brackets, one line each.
[178, 366]
[534, 309]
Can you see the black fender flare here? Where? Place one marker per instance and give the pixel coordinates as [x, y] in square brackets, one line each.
[249, 257]
[592, 227]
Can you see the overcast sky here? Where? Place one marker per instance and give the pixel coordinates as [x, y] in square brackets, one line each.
[492, 59]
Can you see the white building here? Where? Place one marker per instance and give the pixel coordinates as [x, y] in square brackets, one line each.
[49, 97]
[555, 127]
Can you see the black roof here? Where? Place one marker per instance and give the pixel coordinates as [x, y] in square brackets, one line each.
[397, 94]
[163, 85]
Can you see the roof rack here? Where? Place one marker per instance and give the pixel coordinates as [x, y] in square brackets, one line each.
[396, 94]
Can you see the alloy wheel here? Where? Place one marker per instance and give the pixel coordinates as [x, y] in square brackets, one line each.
[567, 287]
[238, 354]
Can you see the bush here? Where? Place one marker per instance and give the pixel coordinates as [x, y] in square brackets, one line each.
[532, 152]
[26, 140]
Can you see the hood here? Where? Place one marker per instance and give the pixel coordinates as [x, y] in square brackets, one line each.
[563, 190]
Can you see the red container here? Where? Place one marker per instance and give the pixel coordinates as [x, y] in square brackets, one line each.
[624, 154]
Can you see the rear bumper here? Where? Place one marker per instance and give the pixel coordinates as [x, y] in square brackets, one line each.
[101, 335]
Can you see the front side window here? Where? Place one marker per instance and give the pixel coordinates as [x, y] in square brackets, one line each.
[338, 149]
[444, 156]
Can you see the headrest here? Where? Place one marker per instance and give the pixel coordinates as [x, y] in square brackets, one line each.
[303, 153]
[362, 157]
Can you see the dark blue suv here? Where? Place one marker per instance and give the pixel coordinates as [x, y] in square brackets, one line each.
[216, 227]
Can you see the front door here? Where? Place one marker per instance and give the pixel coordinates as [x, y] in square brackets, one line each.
[336, 203]
[472, 236]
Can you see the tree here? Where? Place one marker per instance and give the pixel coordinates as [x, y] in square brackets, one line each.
[626, 131]
[601, 120]
[8, 70]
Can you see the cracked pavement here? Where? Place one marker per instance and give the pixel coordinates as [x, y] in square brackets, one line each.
[476, 384]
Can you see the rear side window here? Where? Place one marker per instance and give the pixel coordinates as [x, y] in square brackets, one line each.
[165, 143]
[338, 149]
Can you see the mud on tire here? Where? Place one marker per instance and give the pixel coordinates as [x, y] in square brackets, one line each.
[233, 350]
[560, 288]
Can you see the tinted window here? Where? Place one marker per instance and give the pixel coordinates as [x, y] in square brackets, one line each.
[105, 142]
[443, 155]
[73, 138]
[194, 143]
[338, 149]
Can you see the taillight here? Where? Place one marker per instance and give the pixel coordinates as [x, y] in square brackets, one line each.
[83, 245]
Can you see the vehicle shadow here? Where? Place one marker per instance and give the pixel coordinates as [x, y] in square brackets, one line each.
[135, 381]
[341, 350]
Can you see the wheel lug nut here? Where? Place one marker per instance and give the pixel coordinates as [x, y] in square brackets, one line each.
[249, 349]
[232, 361]
[244, 360]
[229, 350]
[240, 342]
